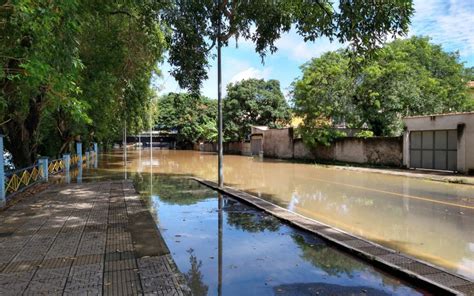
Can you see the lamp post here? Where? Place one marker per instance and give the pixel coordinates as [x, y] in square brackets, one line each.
[220, 150]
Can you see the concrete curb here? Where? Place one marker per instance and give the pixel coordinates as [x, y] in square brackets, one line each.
[417, 271]
[448, 178]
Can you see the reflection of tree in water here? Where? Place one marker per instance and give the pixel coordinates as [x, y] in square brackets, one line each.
[334, 262]
[194, 276]
[243, 217]
[326, 258]
[173, 189]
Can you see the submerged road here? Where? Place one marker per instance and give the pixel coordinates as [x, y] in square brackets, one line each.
[433, 221]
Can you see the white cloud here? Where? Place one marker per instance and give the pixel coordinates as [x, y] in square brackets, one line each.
[250, 72]
[449, 23]
[294, 47]
[297, 49]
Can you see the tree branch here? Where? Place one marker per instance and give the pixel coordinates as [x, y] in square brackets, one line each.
[121, 12]
[323, 7]
[212, 45]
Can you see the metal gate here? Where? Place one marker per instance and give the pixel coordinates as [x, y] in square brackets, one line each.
[434, 149]
[256, 145]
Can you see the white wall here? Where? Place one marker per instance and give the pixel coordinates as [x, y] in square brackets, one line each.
[465, 160]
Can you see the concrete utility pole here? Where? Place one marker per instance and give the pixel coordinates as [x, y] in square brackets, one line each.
[220, 150]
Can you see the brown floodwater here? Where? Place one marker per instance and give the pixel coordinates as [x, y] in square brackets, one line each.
[430, 220]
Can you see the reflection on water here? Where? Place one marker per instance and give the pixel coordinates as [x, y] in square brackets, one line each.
[430, 220]
[239, 250]
[194, 276]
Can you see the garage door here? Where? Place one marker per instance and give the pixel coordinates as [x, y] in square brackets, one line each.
[434, 149]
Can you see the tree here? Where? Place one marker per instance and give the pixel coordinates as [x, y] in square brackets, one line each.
[70, 68]
[198, 26]
[192, 116]
[253, 102]
[39, 63]
[409, 77]
[406, 77]
[323, 96]
[195, 27]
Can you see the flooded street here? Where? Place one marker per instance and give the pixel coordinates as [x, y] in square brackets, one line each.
[433, 221]
[241, 249]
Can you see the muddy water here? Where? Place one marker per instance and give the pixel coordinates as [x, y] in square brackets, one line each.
[430, 220]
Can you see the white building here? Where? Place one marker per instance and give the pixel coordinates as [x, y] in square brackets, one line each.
[440, 142]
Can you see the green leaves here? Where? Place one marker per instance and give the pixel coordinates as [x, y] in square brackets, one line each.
[194, 28]
[75, 68]
[253, 102]
[193, 116]
[406, 77]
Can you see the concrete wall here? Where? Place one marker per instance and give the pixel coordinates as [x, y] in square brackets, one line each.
[378, 151]
[278, 143]
[229, 148]
[301, 151]
[462, 122]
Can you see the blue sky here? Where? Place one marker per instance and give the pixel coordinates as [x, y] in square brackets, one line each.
[448, 22]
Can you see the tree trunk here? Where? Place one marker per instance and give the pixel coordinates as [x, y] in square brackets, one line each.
[22, 138]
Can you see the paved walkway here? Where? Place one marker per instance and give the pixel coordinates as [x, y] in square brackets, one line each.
[84, 239]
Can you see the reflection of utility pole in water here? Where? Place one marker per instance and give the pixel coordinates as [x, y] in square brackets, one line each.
[151, 172]
[140, 167]
[219, 248]
[151, 153]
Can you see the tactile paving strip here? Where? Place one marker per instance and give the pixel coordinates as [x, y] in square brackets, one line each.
[22, 266]
[122, 282]
[396, 259]
[14, 283]
[48, 282]
[375, 251]
[419, 268]
[447, 279]
[466, 289]
[158, 276]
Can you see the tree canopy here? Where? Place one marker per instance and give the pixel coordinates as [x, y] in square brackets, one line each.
[253, 102]
[406, 77]
[198, 25]
[70, 68]
[83, 68]
[194, 117]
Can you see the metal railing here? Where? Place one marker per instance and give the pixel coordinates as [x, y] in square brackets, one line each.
[18, 180]
[12, 182]
[74, 159]
[56, 166]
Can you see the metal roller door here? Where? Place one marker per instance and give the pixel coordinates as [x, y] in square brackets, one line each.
[434, 149]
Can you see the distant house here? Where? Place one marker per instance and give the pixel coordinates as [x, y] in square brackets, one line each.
[470, 86]
[336, 125]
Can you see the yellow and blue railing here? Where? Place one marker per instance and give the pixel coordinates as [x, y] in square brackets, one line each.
[12, 182]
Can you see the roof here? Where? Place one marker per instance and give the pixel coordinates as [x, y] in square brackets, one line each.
[260, 127]
[441, 114]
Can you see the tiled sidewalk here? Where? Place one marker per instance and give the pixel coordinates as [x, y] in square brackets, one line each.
[84, 239]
